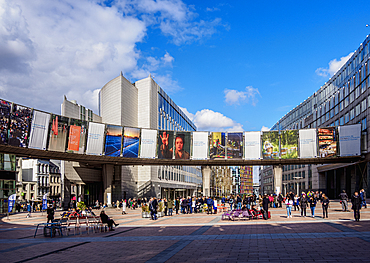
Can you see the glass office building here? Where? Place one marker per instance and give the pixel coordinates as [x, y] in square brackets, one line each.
[344, 99]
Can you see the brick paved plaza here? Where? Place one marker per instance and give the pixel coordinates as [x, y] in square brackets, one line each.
[195, 238]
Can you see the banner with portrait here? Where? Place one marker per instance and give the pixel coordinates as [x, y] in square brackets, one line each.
[39, 130]
[307, 143]
[182, 145]
[327, 142]
[165, 144]
[200, 146]
[131, 140]
[5, 108]
[95, 138]
[350, 140]
[113, 140]
[270, 145]
[252, 145]
[234, 146]
[217, 145]
[148, 143]
[58, 133]
[289, 144]
[19, 127]
[77, 136]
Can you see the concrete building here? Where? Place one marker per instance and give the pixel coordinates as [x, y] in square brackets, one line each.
[344, 99]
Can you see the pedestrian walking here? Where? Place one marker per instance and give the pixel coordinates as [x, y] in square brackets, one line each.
[170, 206]
[29, 210]
[356, 205]
[325, 205]
[124, 205]
[344, 200]
[289, 204]
[50, 214]
[313, 201]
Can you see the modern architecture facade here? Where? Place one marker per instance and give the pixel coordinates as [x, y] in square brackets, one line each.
[144, 104]
[8, 175]
[343, 100]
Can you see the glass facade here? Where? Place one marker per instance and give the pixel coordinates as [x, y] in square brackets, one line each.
[337, 98]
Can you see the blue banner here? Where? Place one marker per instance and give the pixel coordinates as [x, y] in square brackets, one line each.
[44, 202]
[11, 201]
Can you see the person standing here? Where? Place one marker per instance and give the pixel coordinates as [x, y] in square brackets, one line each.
[325, 205]
[313, 202]
[303, 203]
[289, 204]
[356, 205]
[265, 205]
[153, 205]
[170, 206]
[50, 213]
[177, 205]
[123, 207]
[280, 199]
[363, 198]
[344, 200]
[29, 210]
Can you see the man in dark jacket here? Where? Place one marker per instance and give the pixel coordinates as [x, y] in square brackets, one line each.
[356, 205]
[153, 205]
[210, 205]
[265, 205]
[303, 202]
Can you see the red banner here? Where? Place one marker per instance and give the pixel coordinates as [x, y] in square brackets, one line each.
[74, 138]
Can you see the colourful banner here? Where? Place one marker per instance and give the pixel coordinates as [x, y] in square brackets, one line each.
[270, 145]
[182, 145]
[20, 123]
[113, 140]
[235, 145]
[131, 138]
[165, 144]
[327, 142]
[11, 202]
[74, 138]
[289, 144]
[217, 147]
[58, 133]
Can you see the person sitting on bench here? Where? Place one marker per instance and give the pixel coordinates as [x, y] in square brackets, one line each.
[106, 220]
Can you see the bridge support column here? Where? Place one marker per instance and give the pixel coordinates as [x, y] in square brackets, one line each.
[108, 170]
[278, 179]
[206, 172]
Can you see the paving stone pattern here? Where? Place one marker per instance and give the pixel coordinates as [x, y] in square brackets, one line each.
[195, 238]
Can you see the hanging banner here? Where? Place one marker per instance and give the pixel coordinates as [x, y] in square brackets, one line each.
[78, 132]
[95, 138]
[327, 142]
[131, 138]
[5, 108]
[182, 145]
[350, 140]
[270, 145]
[148, 144]
[11, 202]
[58, 133]
[289, 144]
[234, 145]
[217, 147]
[44, 202]
[165, 144]
[200, 145]
[74, 138]
[113, 141]
[20, 123]
[307, 143]
[39, 130]
[252, 145]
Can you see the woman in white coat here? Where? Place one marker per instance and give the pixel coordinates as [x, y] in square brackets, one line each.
[123, 206]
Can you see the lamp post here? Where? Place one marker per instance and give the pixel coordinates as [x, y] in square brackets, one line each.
[297, 178]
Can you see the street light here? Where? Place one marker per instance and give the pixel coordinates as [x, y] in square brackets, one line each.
[297, 178]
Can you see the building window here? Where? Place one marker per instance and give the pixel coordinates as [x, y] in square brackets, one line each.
[351, 97]
[363, 124]
[337, 123]
[352, 114]
[358, 109]
[346, 118]
[341, 122]
[346, 102]
[357, 92]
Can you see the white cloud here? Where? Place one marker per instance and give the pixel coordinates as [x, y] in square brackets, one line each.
[237, 97]
[209, 120]
[334, 66]
[264, 128]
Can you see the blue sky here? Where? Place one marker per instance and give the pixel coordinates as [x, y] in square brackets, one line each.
[231, 65]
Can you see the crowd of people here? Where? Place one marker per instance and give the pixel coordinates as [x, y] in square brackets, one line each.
[312, 199]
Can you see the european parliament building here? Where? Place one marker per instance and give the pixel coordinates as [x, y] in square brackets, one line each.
[144, 104]
[343, 100]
